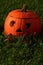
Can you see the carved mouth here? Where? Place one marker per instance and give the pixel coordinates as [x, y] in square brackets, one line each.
[18, 30]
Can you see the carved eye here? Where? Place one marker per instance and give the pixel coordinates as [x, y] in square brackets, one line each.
[28, 25]
[12, 23]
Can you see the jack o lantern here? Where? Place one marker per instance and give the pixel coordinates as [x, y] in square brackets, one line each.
[22, 21]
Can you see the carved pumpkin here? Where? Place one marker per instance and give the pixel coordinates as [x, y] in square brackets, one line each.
[22, 21]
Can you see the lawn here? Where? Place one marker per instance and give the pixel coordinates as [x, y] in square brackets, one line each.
[19, 52]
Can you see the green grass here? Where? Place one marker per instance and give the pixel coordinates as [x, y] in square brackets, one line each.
[18, 53]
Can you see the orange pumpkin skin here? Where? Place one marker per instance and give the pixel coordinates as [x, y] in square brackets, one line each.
[20, 23]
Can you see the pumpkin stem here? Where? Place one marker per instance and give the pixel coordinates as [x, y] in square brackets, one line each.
[24, 9]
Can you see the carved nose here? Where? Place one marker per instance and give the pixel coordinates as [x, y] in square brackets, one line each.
[18, 30]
